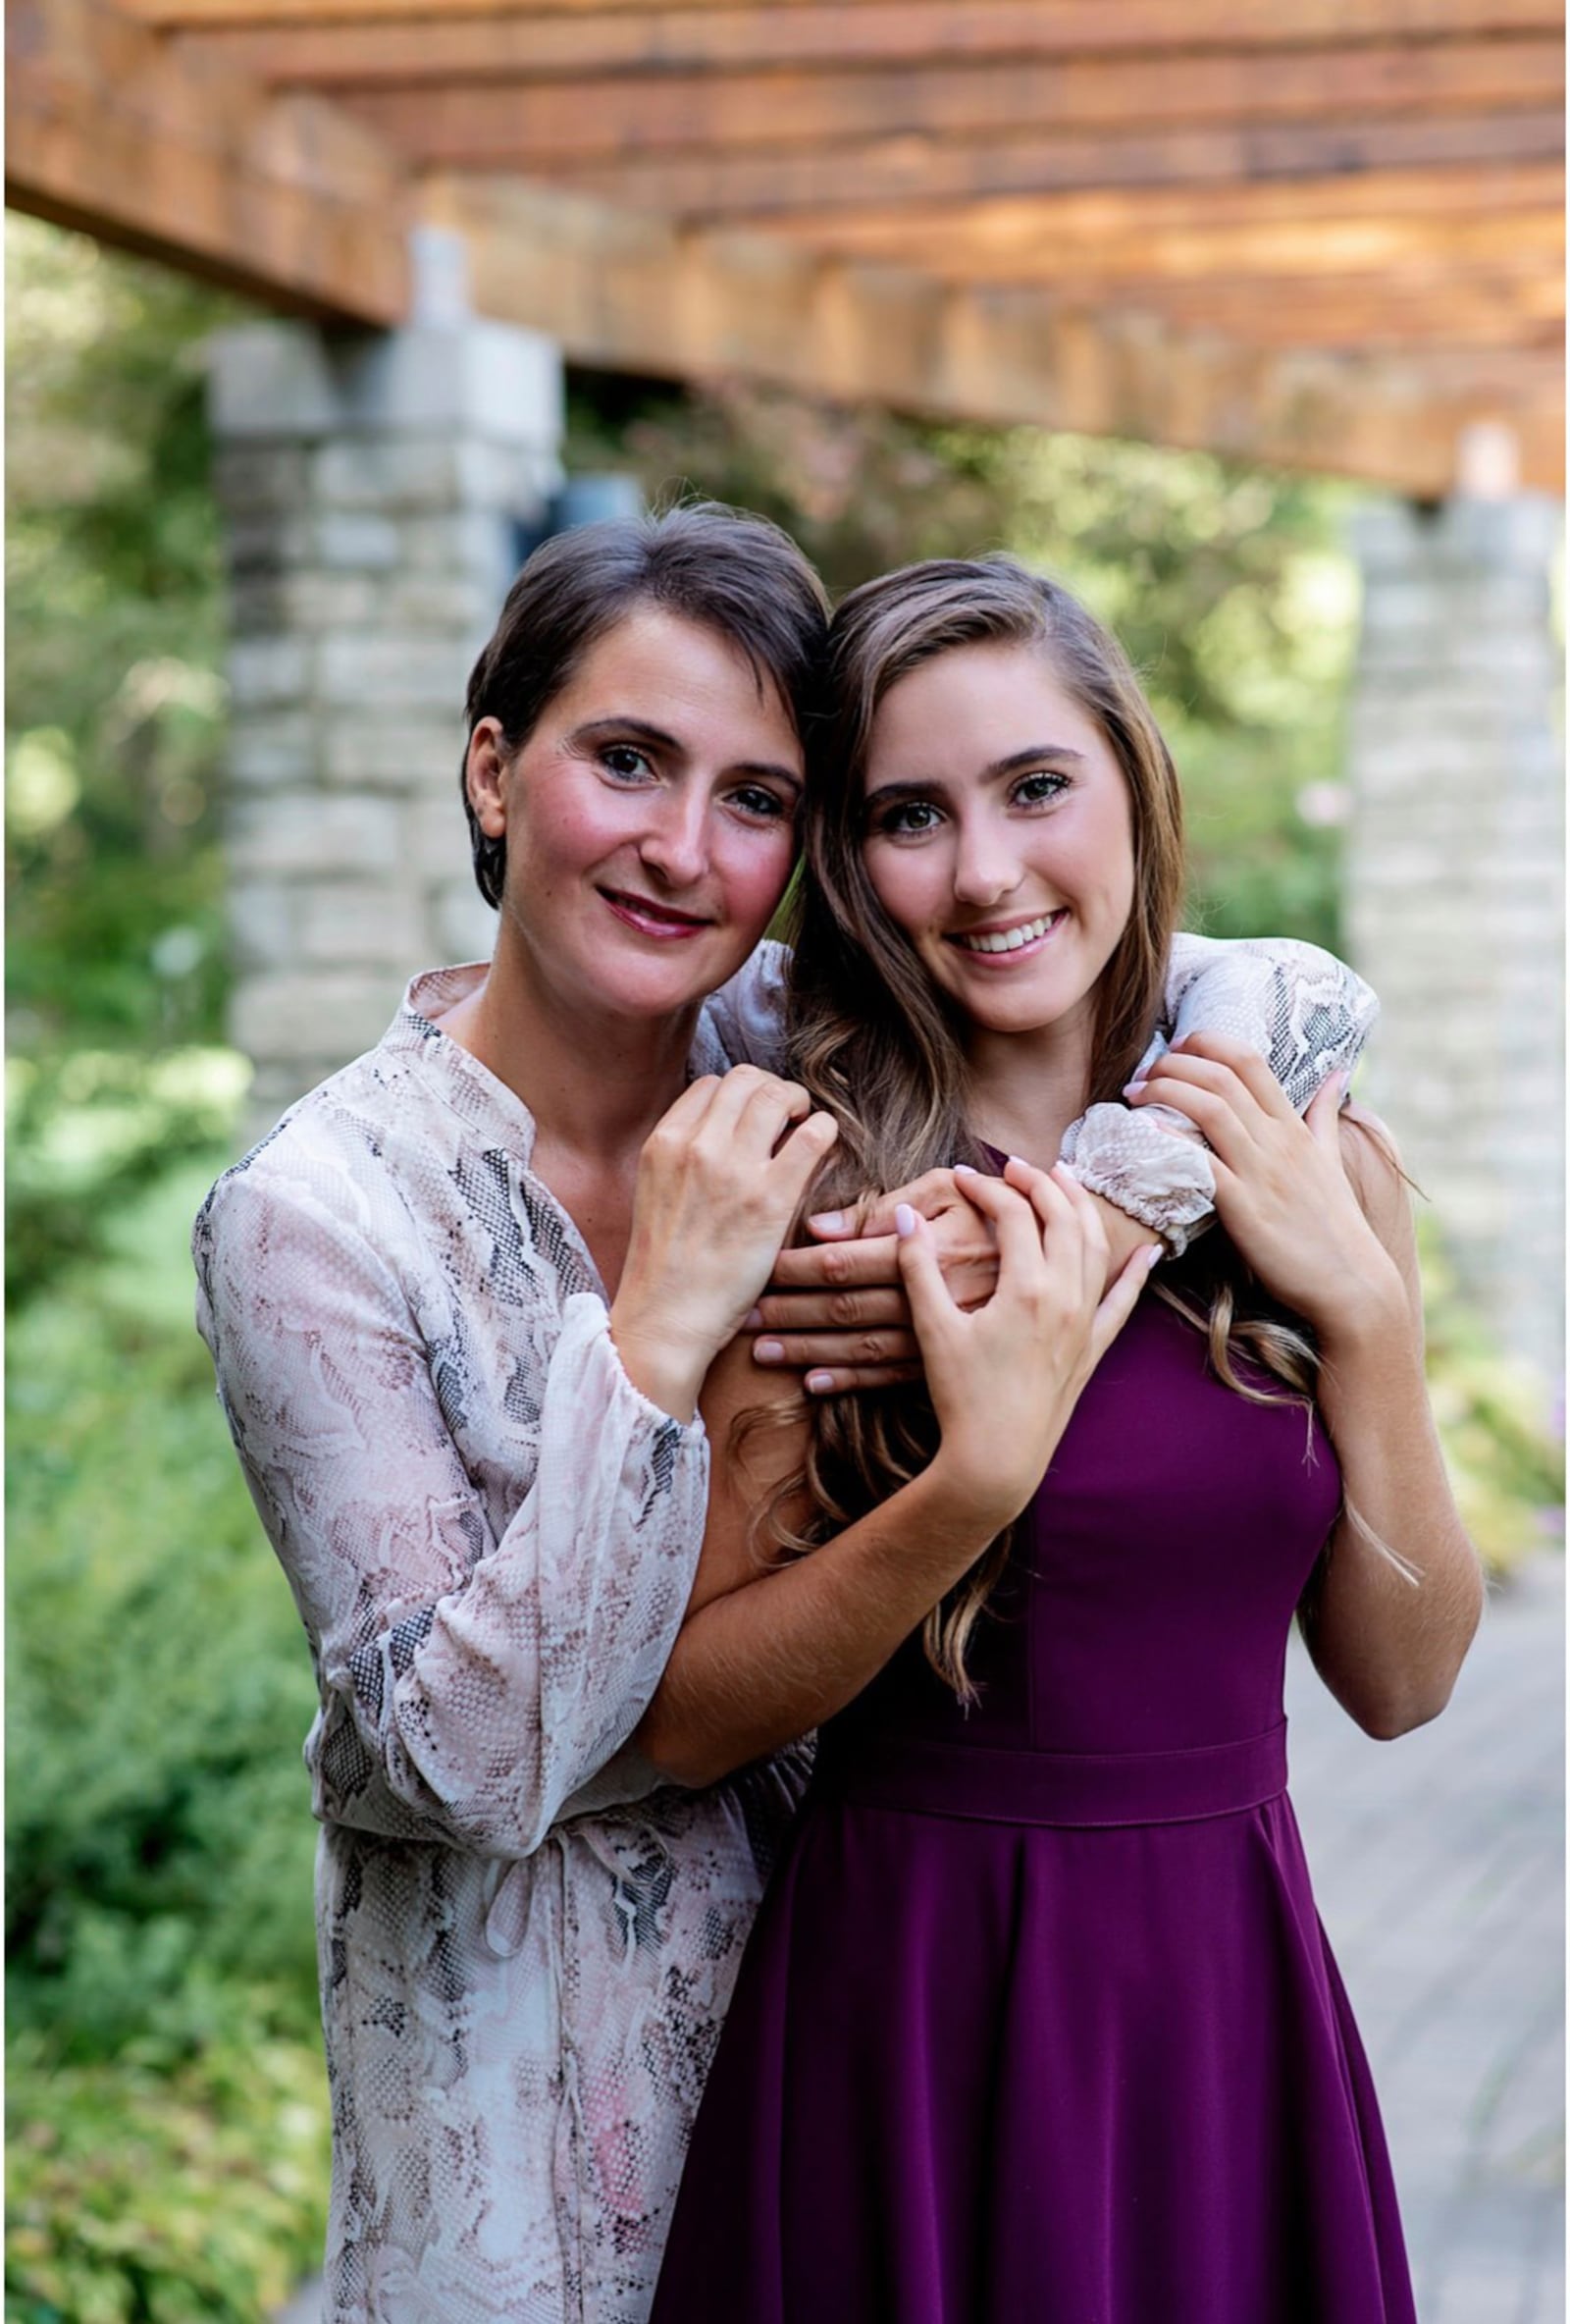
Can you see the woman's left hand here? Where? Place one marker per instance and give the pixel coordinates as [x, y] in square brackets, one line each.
[1281, 1188]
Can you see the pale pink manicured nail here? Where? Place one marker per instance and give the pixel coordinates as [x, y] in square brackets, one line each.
[821, 1383]
[768, 1351]
[903, 1225]
[753, 1320]
[1132, 1089]
[828, 1222]
[965, 1170]
[1154, 1254]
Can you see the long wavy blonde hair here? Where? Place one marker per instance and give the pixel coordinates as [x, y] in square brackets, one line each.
[883, 1050]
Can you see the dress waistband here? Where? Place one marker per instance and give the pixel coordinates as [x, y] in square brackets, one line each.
[922, 1777]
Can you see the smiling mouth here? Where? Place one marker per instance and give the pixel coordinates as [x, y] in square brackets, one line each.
[997, 944]
[651, 919]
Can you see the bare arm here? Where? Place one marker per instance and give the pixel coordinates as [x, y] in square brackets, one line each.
[1388, 1649]
[1321, 1216]
[770, 1650]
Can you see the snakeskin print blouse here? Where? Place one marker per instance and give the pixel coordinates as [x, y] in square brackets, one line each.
[527, 1941]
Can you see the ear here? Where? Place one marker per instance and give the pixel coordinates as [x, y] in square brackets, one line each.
[484, 777]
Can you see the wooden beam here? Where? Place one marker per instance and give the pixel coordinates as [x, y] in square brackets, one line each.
[1075, 24]
[329, 48]
[1470, 311]
[921, 167]
[511, 122]
[1332, 228]
[284, 198]
[635, 293]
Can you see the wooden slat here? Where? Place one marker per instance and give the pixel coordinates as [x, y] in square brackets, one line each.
[514, 124]
[920, 169]
[108, 131]
[1470, 309]
[1334, 226]
[1080, 23]
[532, 38]
[634, 292]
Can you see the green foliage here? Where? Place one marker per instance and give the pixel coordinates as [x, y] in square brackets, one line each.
[89, 1129]
[115, 702]
[166, 2096]
[144, 2194]
[159, 1838]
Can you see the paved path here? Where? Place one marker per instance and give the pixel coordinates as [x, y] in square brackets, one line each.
[1439, 1865]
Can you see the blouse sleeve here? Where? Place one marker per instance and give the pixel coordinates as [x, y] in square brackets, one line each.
[748, 1015]
[473, 1679]
[1305, 1011]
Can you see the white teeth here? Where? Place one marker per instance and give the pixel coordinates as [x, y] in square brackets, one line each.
[1010, 939]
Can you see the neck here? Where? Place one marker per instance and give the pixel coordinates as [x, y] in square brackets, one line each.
[595, 1082]
[1024, 1089]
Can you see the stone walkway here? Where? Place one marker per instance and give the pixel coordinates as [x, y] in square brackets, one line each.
[1438, 1861]
[1438, 1865]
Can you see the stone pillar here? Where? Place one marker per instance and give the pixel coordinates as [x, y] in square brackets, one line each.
[374, 485]
[1456, 886]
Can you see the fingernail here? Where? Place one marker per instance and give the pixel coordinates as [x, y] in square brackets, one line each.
[828, 1222]
[904, 1220]
[1343, 1084]
[965, 1170]
[821, 1383]
[1153, 1255]
[768, 1351]
[753, 1320]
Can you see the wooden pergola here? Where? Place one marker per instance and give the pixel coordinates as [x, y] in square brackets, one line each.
[1324, 232]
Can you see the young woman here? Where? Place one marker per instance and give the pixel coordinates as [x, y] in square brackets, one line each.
[1037, 2020]
[460, 1303]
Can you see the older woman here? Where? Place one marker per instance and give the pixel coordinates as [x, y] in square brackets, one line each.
[461, 1302]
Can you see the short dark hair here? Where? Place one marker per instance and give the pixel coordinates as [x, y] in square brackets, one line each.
[724, 570]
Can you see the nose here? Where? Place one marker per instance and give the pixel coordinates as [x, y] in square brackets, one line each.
[986, 867]
[675, 844]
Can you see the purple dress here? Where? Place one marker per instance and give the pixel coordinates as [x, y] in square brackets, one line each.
[1037, 2024]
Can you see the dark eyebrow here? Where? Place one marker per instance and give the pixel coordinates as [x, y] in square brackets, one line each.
[1014, 764]
[640, 731]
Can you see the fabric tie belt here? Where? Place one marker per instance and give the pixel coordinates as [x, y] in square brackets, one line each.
[922, 1777]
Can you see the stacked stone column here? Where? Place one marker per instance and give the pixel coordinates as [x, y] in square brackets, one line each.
[373, 487]
[1456, 886]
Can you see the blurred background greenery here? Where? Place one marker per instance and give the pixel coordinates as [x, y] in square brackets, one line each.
[166, 2102]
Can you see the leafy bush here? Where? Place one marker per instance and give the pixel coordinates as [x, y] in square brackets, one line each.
[141, 2193]
[166, 2097]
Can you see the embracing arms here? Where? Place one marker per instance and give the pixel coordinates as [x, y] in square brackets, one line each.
[770, 1651]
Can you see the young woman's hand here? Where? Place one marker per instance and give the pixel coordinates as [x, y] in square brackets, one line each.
[719, 1180]
[1281, 1188]
[1004, 1377]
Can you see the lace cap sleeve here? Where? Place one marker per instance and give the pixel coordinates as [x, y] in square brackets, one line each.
[1305, 1010]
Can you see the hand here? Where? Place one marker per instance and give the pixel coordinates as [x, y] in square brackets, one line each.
[1281, 1188]
[1004, 1377]
[839, 1308]
[719, 1180]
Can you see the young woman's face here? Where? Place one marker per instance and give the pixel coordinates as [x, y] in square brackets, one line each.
[649, 818]
[998, 835]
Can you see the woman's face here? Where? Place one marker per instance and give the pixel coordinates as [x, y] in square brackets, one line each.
[649, 818]
[999, 837]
